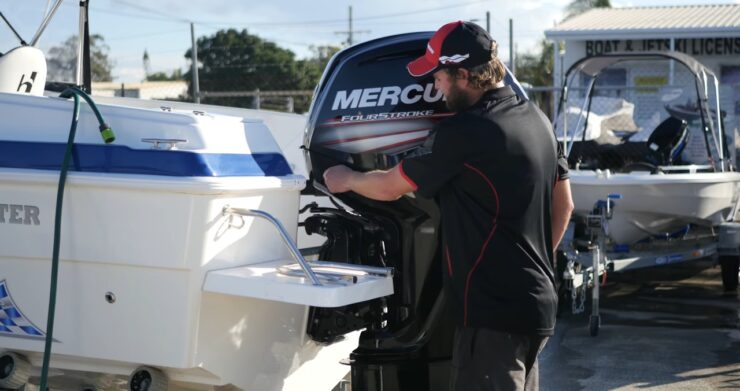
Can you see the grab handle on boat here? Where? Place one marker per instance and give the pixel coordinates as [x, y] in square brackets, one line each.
[164, 143]
[283, 234]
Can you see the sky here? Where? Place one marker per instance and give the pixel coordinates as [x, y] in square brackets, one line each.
[162, 27]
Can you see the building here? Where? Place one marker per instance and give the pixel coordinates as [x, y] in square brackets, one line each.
[709, 33]
[164, 90]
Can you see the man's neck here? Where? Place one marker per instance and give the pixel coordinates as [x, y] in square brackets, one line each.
[496, 86]
[475, 95]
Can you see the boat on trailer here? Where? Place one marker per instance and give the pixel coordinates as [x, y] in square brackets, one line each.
[664, 184]
[654, 200]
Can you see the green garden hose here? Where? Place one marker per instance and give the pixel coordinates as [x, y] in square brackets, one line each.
[108, 137]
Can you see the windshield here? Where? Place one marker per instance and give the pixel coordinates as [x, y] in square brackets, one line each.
[641, 114]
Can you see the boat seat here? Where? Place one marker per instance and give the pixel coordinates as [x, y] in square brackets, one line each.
[667, 141]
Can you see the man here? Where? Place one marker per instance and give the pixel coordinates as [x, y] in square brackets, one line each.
[505, 201]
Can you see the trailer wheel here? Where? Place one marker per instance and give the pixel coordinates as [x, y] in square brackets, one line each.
[594, 322]
[147, 379]
[14, 371]
[730, 265]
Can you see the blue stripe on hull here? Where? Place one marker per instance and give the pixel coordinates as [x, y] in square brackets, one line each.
[124, 160]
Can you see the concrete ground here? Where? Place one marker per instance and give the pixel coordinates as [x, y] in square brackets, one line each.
[665, 328]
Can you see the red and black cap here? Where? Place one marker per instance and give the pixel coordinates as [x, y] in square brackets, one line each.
[455, 45]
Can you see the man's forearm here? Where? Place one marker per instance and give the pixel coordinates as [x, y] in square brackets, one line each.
[562, 207]
[378, 185]
[374, 185]
[559, 226]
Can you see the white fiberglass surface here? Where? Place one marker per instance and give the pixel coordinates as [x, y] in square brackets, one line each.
[643, 177]
[40, 118]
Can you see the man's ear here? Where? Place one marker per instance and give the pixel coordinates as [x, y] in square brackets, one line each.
[461, 73]
[461, 77]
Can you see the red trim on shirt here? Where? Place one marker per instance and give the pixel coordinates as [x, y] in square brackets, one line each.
[485, 244]
[406, 177]
[449, 261]
[398, 144]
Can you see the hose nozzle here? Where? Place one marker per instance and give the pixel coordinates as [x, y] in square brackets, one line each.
[107, 133]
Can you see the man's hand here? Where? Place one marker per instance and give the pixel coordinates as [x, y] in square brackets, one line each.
[338, 179]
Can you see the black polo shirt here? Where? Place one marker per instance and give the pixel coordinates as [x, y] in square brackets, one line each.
[492, 169]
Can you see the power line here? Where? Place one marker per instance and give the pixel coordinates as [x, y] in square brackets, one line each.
[151, 54]
[411, 22]
[124, 13]
[146, 13]
[227, 47]
[124, 37]
[177, 18]
[420, 11]
[156, 11]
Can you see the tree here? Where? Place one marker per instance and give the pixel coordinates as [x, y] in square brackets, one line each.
[577, 7]
[536, 69]
[322, 54]
[62, 61]
[312, 68]
[162, 76]
[232, 60]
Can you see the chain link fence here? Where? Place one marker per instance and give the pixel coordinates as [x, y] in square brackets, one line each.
[161, 90]
[291, 101]
[288, 101]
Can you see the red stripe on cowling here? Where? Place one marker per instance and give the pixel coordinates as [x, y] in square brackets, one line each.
[345, 123]
[394, 145]
[485, 244]
[406, 177]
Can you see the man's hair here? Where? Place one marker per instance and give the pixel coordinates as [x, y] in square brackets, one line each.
[487, 75]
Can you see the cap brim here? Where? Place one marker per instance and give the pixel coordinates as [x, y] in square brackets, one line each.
[421, 67]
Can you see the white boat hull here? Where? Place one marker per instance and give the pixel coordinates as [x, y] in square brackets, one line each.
[656, 204]
[137, 251]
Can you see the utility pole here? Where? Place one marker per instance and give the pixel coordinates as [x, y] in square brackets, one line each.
[196, 86]
[350, 33]
[488, 22]
[512, 65]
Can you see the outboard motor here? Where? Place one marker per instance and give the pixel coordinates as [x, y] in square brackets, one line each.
[23, 70]
[369, 113]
